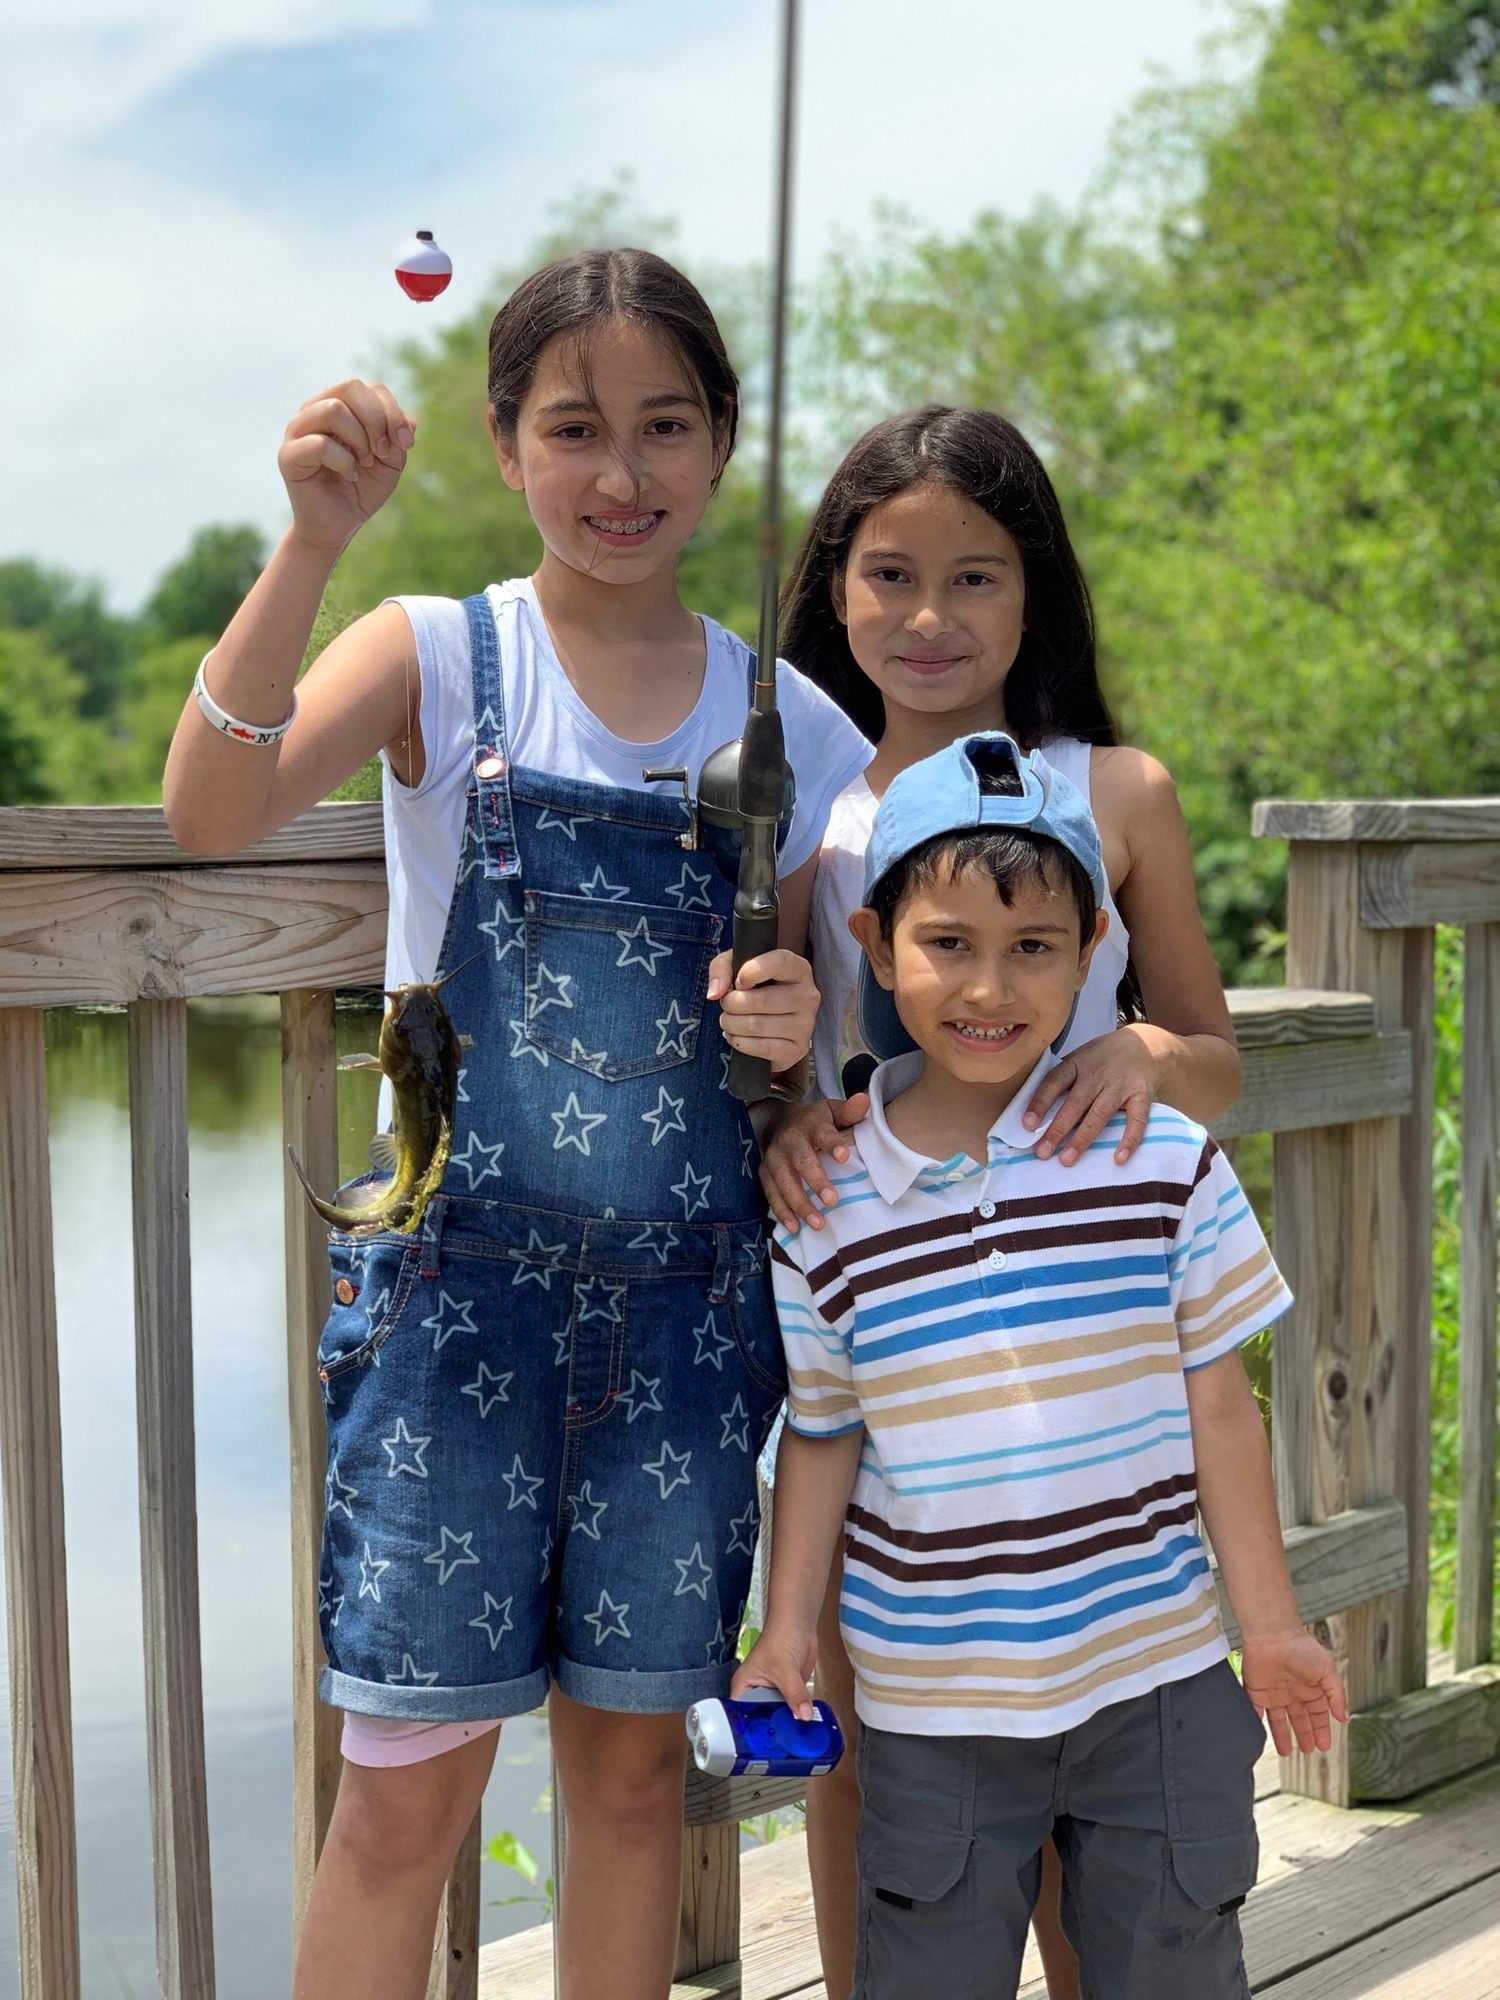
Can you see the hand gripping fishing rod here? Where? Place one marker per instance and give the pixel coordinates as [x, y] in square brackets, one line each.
[749, 784]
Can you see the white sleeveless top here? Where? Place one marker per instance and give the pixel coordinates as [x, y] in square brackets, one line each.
[840, 888]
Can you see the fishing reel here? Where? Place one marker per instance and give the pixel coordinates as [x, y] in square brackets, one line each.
[746, 788]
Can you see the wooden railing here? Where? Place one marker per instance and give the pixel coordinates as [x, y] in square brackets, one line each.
[98, 906]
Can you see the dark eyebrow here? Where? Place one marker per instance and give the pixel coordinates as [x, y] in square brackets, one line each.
[900, 555]
[669, 399]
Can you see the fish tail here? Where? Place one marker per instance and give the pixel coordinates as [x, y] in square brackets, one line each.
[337, 1218]
[431, 1181]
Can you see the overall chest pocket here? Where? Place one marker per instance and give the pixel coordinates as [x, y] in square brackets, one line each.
[616, 988]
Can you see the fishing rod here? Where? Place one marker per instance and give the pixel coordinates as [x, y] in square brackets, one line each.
[748, 784]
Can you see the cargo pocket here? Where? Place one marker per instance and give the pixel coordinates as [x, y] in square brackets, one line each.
[1210, 1740]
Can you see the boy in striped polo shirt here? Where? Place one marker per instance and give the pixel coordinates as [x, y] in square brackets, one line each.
[1012, 1384]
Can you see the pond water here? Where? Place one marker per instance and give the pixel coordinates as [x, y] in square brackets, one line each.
[237, 1168]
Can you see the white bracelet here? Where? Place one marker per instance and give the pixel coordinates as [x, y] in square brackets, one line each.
[253, 733]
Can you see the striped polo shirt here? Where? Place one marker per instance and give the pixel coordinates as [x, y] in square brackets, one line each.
[1021, 1545]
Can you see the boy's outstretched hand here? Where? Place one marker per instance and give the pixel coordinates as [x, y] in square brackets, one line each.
[782, 1660]
[1295, 1685]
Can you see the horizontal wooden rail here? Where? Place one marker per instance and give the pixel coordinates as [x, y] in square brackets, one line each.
[1425, 1737]
[137, 837]
[1339, 1563]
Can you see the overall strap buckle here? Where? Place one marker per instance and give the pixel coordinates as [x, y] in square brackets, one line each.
[496, 814]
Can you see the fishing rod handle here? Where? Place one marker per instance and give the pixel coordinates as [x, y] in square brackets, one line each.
[755, 932]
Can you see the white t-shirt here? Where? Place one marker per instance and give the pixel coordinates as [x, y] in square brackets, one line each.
[840, 888]
[551, 729]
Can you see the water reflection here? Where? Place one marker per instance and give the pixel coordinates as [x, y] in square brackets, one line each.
[237, 1169]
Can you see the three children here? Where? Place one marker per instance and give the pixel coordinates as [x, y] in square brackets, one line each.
[1017, 1382]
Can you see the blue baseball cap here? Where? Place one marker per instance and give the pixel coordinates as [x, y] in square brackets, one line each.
[978, 781]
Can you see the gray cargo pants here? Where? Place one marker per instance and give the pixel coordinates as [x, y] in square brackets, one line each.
[1151, 1803]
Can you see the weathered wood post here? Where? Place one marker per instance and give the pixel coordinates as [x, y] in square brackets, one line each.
[1351, 1379]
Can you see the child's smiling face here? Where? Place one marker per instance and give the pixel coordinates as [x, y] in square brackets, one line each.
[983, 987]
[614, 452]
[933, 597]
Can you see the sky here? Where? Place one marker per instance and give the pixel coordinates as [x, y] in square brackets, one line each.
[202, 200]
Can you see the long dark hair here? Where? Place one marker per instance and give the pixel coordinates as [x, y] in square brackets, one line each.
[1053, 687]
[579, 294]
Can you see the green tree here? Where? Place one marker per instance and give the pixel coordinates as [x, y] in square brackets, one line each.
[198, 594]
[68, 616]
[49, 753]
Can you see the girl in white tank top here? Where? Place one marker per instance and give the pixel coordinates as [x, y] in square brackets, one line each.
[936, 592]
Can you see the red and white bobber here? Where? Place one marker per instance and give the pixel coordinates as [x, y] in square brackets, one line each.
[422, 269]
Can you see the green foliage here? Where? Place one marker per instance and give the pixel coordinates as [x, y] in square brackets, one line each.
[48, 751]
[198, 595]
[510, 1851]
[67, 615]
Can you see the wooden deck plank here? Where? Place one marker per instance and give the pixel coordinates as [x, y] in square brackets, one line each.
[1449, 1951]
[1332, 1881]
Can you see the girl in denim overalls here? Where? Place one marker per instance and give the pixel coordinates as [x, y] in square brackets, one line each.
[544, 1408]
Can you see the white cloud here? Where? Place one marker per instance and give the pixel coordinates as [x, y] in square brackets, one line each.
[177, 288]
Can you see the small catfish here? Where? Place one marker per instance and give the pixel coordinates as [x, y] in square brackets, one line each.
[419, 1053]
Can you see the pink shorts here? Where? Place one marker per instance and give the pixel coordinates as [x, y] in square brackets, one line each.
[382, 1741]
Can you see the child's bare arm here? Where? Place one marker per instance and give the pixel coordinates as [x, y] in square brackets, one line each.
[1184, 1051]
[814, 1478]
[1291, 1679]
[341, 458]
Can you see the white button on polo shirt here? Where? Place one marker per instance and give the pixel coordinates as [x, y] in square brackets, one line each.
[986, 1209]
[997, 1260]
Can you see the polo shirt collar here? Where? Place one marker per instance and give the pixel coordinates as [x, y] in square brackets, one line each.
[895, 1169]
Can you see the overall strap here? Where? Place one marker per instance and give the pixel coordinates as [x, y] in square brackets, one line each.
[491, 748]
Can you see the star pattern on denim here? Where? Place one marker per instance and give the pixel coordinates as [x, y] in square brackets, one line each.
[713, 1652]
[638, 947]
[489, 1387]
[445, 1557]
[747, 1155]
[520, 1046]
[693, 1574]
[376, 1308]
[523, 1487]
[371, 1570]
[675, 1032]
[555, 995]
[726, 1057]
[742, 1532]
[736, 1426]
[593, 1060]
[574, 1125]
[535, 1248]
[460, 1095]
[602, 890]
[669, 1469]
[712, 1345]
[508, 932]
[549, 1542]
[338, 1491]
[563, 1342]
[329, 1606]
[494, 1621]
[637, 1400]
[609, 1619]
[585, 1511]
[692, 1190]
[405, 1452]
[478, 1160]
[452, 1316]
[597, 1298]
[667, 1117]
[567, 823]
[409, 1675]
[690, 890]
[659, 1238]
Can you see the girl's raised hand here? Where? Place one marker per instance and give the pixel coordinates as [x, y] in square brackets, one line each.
[1117, 1072]
[770, 1009]
[792, 1169]
[341, 457]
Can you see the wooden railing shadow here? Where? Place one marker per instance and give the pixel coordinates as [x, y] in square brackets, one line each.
[98, 906]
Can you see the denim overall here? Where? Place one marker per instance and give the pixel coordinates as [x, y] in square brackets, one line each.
[544, 1407]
